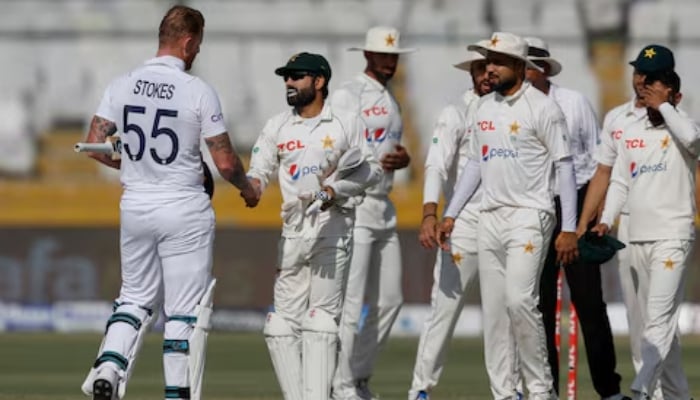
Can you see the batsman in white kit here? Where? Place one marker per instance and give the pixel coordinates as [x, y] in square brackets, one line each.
[323, 166]
[455, 270]
[654, 175]
[167, 223]
[520, 135]
[375, 271]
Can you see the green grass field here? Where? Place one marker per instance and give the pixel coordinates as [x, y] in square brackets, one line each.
[53, 366]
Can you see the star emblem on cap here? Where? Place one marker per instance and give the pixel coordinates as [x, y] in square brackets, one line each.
[327, 142]
[649, 53]
[390, 40]
[529, 247]
[514, 128]
[457, 258]
[665, 141]
[494, 41]
[668, 264]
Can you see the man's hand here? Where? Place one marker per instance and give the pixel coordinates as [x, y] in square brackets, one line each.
[601, 229]
[444, 232]
[655, 94]
[428, 232]
[396, 160]
[567, 247]
[251, 192]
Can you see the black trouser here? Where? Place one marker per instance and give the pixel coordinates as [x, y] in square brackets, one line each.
[587, 295]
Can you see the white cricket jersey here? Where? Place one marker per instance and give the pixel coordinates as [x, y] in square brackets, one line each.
[295, 147]
[162, 113]
[380, 112]
[447, 154]
[517, 138]
[582, 124]
[655, 173]
[614, 126]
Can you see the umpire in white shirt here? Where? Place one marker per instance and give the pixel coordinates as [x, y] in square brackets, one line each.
[584, 280]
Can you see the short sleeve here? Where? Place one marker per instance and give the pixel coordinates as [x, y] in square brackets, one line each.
[106, 108]
[212, 118]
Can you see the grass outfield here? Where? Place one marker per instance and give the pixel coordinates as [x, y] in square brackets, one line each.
[52, 366]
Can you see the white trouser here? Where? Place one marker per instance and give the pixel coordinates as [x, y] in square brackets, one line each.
[513, 245]
[661, 269]
[629, 293]
[310, 278]
[166, 253]
[375, 275]
[454, 272]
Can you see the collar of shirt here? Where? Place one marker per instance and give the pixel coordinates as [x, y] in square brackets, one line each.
[325, 115]
[372, 82]
[639, 112]
[515, 96]
[170, 61]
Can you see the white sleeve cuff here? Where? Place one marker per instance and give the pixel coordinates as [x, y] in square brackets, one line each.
[467, 185]
[567, 193]
[432, 186]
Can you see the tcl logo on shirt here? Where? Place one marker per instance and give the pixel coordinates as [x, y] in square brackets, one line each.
[375, 111]
[486, 125]
[635, 143]
[379, 135]
[296, 171]
[617, 134]
[496, 152]
[636, 170]
[290, 145]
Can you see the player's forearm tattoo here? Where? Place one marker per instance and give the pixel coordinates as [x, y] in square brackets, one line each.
[236, 175]
[220, 143]
[102, 128]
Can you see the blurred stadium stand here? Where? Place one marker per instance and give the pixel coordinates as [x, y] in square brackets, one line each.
[59, 55]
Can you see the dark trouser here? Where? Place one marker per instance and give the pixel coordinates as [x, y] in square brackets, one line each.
[587, 295]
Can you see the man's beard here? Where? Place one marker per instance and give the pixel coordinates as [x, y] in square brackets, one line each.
[503, 85]
[301, 97]
[482, 89]
[655, 117]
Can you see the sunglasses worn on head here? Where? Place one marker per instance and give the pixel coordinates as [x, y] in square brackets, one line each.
[296, 75]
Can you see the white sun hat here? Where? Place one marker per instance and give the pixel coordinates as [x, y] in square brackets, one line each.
[383, 39]
[538, 50]
[472, 56]
[505, 43]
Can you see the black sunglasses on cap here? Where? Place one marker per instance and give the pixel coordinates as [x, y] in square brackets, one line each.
[296, 75]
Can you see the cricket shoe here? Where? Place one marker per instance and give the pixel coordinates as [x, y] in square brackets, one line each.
[422, 395]
[105, 385]
[362, 386]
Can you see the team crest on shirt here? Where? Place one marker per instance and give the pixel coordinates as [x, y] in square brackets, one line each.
[529, 247]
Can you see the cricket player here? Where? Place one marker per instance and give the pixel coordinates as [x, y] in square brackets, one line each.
[307, 147]
[375, 269]
[654, 175]
[455, 271]
[167, 222]
[652, 59]
[520, 135]
[584, 280]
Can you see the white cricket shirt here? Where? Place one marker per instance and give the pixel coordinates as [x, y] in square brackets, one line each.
[654, 174]
[583, 131]
[162, 113]
[447, 154]
[294, 147]
[380, 112]
[516, 139]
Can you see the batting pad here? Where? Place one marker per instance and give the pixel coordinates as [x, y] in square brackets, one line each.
[121, 344]
[319, 333]
[285, 352]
